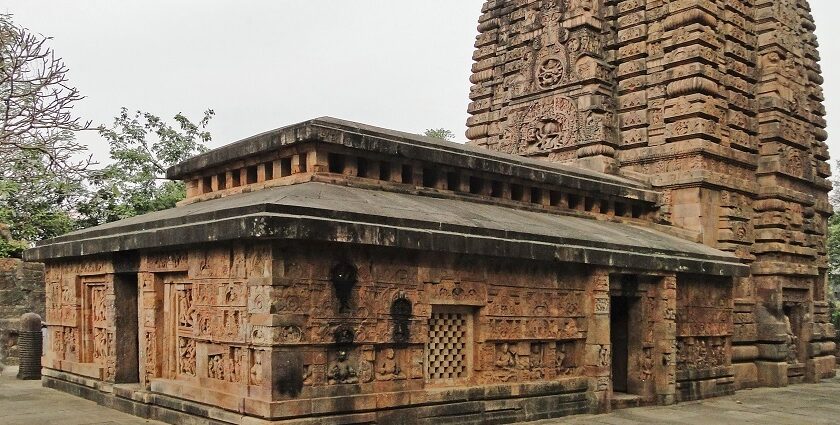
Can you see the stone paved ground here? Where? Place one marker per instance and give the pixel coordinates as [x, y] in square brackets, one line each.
[797, 404]
[27, 403]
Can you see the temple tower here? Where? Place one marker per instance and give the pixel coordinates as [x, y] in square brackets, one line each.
[717, 104]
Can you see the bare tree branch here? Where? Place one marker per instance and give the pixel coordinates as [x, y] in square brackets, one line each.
[36, 101]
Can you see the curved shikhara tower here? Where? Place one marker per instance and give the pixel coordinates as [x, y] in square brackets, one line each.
[718, 104]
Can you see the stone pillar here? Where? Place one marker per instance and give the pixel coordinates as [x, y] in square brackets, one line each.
[772, 365]
[30, 343]
[598, 362]
[665, 335]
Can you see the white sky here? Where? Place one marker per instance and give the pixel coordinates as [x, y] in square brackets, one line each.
[263, 64]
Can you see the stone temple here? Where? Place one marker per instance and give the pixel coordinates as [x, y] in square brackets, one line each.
[639, 218]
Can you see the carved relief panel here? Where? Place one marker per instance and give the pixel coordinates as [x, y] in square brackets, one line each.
[229, 364]
[697, 353]
[97, 318]
[181, 320]
[546, 125]
[221, 310]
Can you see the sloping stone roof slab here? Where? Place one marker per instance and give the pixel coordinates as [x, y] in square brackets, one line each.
[325, 212]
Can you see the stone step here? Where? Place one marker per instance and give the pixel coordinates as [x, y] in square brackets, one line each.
[796, 369]
[625, 401]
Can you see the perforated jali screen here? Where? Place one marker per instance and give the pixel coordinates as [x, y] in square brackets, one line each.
[448, 342]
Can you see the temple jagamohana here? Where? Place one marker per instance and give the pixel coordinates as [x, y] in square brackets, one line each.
[639, 218]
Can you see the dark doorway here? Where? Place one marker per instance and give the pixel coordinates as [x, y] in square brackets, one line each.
[619, 338]
[126, 345]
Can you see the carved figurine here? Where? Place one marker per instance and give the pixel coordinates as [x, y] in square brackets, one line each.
[307, 375]
[109, 343]
[257, 369]
[531, 15]
[236, 370]
[604, 356]
[70, 341]
[389, 370]
[561, 358]
[647, 365]
[535, 362]
[186, 313]
[100, 348]
[340, 371]
[290, 334]
[205, 325]
[216, 368]
[535, 359]
[231, 323]
[792, 342]
[228, 368]
[187, 357]
[99, 306]
[110, 371]
[508, 358]
[58, 341]
[211, 367]
[366, 371]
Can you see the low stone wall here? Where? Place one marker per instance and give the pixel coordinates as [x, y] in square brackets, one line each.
[21, 291]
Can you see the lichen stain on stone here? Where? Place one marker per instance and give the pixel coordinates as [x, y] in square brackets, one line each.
[288, 375]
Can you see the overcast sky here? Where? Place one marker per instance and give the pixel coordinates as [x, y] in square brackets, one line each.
[263, 64]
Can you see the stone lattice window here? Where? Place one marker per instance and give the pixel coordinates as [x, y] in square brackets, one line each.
[450, 337]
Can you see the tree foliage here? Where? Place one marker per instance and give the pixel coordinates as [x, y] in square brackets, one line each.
[834, 250]
[439, 133]
[9, 247]
[142, 147]
[35, 201]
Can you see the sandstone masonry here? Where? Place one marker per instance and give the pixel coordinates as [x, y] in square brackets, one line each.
[639, 219]
[717, 104]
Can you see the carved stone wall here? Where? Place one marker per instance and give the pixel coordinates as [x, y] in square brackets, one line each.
[249, 325]
[704, 337]
[80, 318]
[541, 81]
[267, 329]
[717, 103]
[202, 323]
[484, 323]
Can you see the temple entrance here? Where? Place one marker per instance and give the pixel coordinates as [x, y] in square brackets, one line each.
[793, 313]
[619, 339]
[631, 354]
[127, 347]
